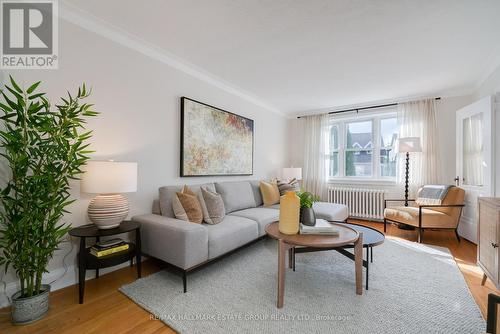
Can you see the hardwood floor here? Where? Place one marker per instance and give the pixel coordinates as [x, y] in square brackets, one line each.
[106, 310]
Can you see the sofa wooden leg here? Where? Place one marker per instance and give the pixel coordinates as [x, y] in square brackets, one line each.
[385, 225]
[456, 234]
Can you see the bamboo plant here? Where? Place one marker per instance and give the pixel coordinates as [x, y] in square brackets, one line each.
[43, 148]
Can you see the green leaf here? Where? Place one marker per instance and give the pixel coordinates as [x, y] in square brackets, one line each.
[32, 97]
[14, 84]
[9, 101]
[16, 94]
[5, 108]
[33, 87]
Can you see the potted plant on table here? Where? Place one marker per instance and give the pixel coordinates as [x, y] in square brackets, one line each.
[307, 199]
[43, 148]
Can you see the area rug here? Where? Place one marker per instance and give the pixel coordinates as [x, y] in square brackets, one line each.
[413, 288]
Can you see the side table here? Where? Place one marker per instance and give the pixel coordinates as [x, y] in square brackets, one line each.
[89, 261]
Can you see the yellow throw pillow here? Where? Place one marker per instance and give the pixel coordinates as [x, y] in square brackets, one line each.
[270, 193]
[191, 205]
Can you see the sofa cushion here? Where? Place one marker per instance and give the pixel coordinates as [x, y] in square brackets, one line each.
[326, 211]
[331, 211]
[229, 234]
[256, 192]
[236, 195]
[263, 216]
[156, 207]
[167, 192]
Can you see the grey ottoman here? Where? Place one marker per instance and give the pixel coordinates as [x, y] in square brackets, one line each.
[331, 211]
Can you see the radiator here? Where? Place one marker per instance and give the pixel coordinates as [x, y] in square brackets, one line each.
[362, 203]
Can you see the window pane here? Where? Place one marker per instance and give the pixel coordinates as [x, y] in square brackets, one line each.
[358, 163]
[388, 132]
[334, 137]
[359, 135]
[388, 162]
[333, 164]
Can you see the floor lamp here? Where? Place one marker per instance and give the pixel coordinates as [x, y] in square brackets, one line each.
[407, 145]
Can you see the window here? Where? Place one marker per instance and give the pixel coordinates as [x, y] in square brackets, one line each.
[363, 148]
[334, 151]
[358, 150]
[388, 136]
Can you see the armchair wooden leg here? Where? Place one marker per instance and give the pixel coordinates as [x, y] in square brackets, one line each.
[420, 229]
[456, 234]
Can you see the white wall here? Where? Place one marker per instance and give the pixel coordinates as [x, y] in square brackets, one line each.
[139, 98]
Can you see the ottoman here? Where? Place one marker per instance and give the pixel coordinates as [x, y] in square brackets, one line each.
[332, 212]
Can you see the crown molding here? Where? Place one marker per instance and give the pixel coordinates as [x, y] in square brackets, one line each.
[92, 23]
[493, 63]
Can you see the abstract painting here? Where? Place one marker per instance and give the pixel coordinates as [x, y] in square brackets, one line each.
[214, 141]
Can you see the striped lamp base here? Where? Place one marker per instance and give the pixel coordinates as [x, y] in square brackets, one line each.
[108, 211]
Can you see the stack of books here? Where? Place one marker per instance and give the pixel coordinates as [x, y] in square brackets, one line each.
[322, 227]
[108, 247]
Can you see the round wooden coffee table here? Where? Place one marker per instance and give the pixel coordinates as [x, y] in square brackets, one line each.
[347, 236]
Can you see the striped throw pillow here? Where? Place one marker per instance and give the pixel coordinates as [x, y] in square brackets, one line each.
[292, 185]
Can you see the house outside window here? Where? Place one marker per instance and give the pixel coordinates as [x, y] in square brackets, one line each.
[363, 147]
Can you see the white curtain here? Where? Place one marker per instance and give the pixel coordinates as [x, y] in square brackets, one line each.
[473, 150]
[314, 176]
[418, 119]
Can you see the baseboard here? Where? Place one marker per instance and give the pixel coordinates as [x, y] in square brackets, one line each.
[60, 279]
[468, 231]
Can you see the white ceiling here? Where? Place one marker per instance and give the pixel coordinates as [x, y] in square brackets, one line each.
[306, 55]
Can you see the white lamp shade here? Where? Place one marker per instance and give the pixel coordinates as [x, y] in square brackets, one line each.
[109, 177]
[292, 173]
[409, 144]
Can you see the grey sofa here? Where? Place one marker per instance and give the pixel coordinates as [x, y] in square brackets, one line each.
[188, 246]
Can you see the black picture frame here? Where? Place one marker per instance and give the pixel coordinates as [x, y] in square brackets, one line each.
[182, 140]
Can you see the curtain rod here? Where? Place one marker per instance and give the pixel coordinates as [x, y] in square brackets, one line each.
[363, 108]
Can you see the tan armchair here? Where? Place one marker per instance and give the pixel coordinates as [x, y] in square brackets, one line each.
[424, 216]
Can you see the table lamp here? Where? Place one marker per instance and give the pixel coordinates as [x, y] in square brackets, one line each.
[109, 179]
[292, 173]
[407, 145]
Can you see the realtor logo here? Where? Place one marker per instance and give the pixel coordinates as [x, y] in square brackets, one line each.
[29, 34]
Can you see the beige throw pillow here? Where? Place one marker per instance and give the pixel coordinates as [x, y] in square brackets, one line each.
[213, 207]
[270, 193]
[179, 211]
[191, 205]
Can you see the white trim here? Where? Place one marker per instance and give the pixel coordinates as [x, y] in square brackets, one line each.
[367, 181]
[90, 22]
